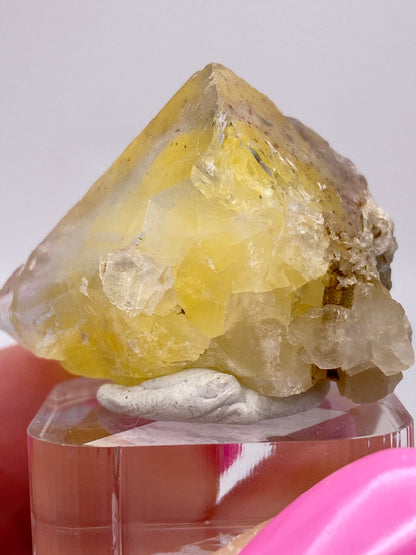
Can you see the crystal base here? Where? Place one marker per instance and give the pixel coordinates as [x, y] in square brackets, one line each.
[103, 483]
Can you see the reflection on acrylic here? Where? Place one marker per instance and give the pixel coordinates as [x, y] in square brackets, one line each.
[107, 483]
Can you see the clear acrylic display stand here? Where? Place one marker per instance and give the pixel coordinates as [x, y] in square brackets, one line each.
[103, 483]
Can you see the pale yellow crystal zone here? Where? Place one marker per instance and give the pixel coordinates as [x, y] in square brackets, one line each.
[226, 235]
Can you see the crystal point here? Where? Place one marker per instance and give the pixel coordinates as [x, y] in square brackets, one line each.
[226, 236]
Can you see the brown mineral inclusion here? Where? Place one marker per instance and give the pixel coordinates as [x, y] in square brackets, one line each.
[226, 236]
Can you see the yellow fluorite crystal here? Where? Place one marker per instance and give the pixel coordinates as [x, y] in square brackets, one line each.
[226, 236]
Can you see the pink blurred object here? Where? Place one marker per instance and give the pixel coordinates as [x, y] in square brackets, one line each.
[366, 508]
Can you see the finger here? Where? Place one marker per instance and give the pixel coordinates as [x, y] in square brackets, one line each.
[236, 544]
[25, 382]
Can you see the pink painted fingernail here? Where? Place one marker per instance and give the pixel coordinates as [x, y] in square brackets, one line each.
[367, 507]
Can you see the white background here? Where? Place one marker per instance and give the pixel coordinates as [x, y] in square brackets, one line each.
[80, 78]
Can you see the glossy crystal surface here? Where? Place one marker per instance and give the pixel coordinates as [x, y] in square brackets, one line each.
[226, 236]
[103, 484]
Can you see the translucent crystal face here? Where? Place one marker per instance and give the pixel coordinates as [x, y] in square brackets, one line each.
[226, 236]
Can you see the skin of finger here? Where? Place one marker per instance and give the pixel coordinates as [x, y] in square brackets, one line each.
[25, 381]
[236, 544]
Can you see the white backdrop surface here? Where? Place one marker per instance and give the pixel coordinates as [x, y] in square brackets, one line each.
[79, 80]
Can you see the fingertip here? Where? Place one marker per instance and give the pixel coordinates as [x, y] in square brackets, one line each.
[25, 381]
